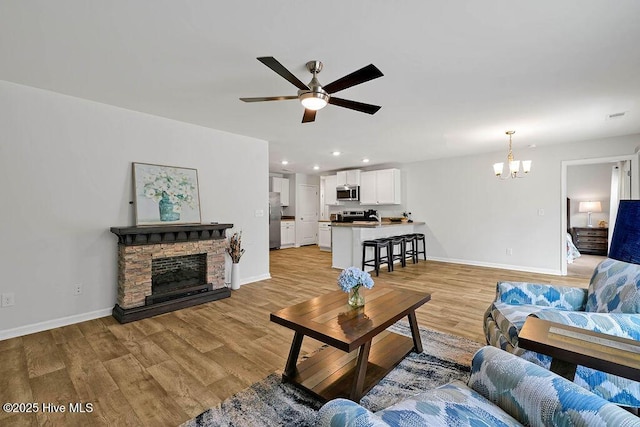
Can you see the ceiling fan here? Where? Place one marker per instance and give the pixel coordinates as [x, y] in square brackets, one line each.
[314, 96]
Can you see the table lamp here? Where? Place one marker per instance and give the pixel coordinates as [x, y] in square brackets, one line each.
[589, 207]
[625, 243]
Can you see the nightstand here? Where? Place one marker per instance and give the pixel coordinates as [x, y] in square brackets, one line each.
[591, 240]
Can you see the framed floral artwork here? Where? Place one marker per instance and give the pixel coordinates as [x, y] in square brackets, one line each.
[166, 195]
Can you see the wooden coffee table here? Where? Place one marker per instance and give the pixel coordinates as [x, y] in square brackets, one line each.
[570, 346]
[337, 371]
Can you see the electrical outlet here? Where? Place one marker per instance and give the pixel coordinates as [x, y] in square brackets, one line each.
[77, 289]
[509, 251]
[8, 299]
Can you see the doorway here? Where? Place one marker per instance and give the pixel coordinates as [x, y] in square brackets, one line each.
[307, 215]
[632, 191]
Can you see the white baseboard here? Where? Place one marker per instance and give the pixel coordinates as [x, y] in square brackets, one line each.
[55, 323]
[500, 266]
[77, 318]
[252, 279]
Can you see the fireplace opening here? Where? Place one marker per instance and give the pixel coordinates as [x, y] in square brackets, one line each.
[176, 277]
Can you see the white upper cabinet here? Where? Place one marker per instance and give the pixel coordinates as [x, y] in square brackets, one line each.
[330, 184]
[281, 185]
[368, 188]
[388, 181]
[350, 177]
[381, 187]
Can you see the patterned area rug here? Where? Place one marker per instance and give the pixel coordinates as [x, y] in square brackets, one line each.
[272, 403]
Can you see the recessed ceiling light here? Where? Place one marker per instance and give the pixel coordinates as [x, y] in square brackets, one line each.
[285, 162]
[316, 167]
[336, 153]
[365, 160]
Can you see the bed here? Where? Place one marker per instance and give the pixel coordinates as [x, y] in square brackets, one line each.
[572, 251]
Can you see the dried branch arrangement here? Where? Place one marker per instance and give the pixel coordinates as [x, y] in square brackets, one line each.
[234, 247]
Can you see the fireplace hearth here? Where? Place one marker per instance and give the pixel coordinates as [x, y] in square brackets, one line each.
[166, 268]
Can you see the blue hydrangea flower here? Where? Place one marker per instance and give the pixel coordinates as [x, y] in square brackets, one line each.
[353, 277]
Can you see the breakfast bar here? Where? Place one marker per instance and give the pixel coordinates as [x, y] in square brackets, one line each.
[347, 238]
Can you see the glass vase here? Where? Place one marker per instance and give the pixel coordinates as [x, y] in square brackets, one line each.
[167, 212]
[356, 297]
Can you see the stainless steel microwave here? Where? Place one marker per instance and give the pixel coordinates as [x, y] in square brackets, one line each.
[348, 192]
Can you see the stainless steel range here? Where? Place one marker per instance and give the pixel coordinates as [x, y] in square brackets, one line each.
[351, 216]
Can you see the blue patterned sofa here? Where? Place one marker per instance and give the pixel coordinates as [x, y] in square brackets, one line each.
[610, 305]
[503, 390]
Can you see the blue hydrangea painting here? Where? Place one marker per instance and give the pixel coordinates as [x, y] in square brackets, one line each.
[166, 195]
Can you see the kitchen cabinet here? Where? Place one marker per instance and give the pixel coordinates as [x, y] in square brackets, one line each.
[324, 236]
[281, 185]
[350, 177]
[330, 190]
[287, 234]
[591, 240]
[381, 187]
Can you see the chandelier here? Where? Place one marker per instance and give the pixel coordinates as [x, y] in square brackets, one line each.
[514, 165]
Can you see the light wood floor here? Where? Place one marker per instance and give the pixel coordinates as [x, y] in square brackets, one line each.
[165, 370]
[584, 265]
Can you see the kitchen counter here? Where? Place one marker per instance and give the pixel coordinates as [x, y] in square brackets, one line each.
[373, 224]
[347, 238]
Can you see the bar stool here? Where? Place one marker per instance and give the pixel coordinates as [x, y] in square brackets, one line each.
[400, 252]
[411, 239]
[420, 238]
[378, 258]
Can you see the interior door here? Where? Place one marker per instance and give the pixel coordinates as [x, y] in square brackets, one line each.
[307, 230]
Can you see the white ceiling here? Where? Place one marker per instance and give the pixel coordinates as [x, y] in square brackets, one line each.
[458, 74]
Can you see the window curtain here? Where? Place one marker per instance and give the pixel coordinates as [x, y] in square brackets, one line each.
[620, 190]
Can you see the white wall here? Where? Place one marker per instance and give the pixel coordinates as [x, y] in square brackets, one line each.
[472, 217]
[589, 183]
[65, 169]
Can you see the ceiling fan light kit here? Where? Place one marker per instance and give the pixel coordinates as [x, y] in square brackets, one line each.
[313, 100]
[514, 165]
[314, 96]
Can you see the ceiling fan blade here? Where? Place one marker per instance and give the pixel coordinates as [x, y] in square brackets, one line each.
[309, 116]
[273, 63]
[364, 74]
[269, 98]
[354, 105]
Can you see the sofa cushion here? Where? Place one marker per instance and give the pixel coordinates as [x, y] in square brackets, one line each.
[510, 318]
[346, 413]
[537, 397]
[614, 288]
[561, 297]
[451, 404]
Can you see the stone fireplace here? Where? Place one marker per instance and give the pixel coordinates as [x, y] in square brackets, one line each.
[165, 268]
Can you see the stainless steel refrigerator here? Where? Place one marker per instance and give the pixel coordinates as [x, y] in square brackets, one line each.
[275, 216]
